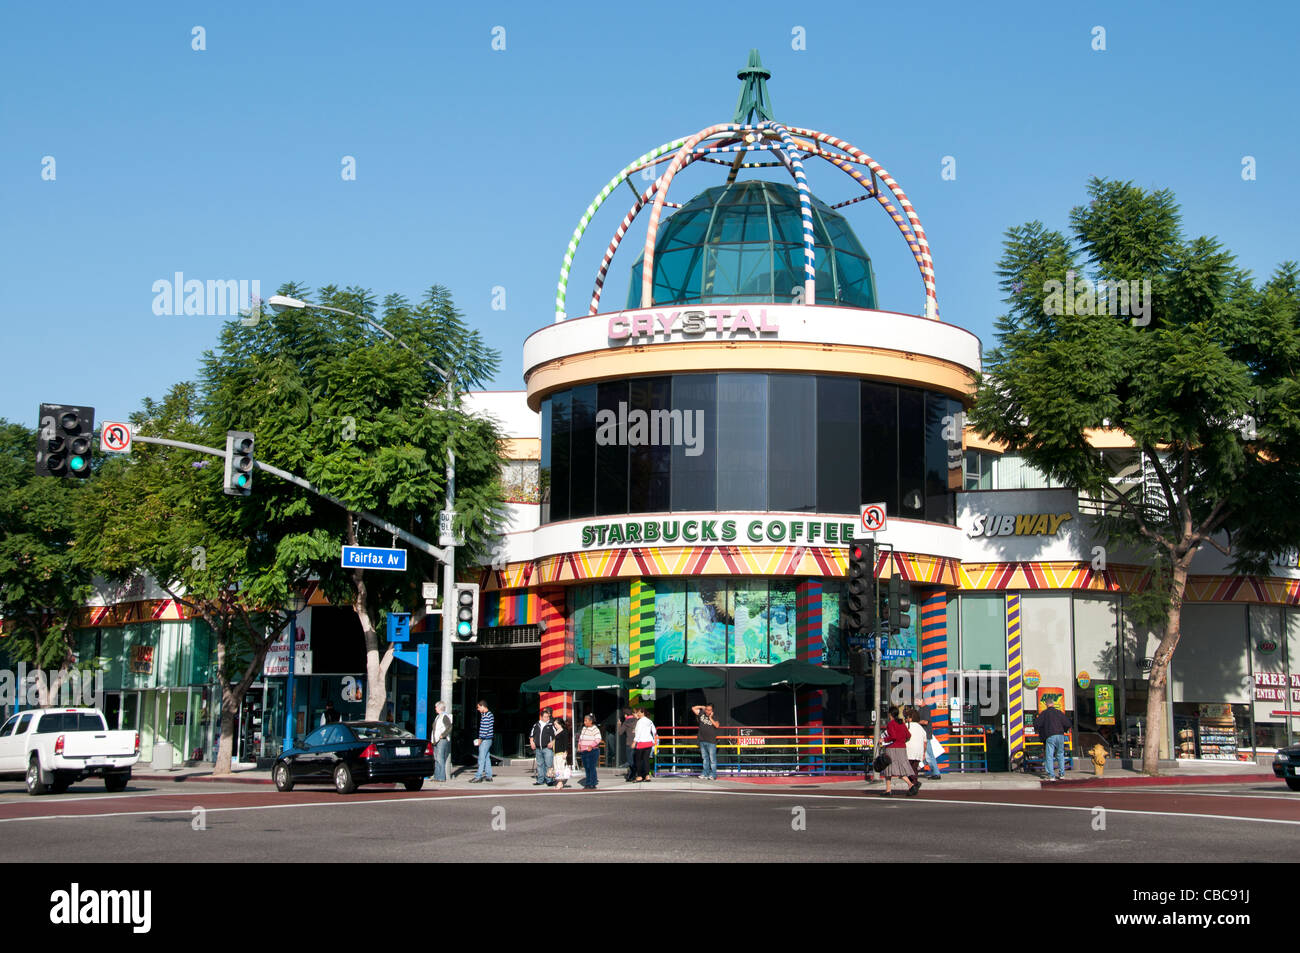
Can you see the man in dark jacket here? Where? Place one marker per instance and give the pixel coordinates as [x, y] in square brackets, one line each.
[542, 740]
[1051, 724]
[628, 730]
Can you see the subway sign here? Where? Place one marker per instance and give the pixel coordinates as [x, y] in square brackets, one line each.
[1016, 524]
[748, 531]
[643, 327]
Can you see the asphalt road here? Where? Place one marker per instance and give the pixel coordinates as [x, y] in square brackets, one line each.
[216, 822]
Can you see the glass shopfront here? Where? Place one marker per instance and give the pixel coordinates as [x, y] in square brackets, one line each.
[761, 442]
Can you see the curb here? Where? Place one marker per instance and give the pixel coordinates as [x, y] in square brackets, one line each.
[224, 779]
[1157, 781]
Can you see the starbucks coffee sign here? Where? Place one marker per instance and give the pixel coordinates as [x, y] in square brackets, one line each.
[744, 530]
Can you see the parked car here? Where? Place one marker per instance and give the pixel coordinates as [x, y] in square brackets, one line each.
[53, 748]
[351, 753]
[1286, 765]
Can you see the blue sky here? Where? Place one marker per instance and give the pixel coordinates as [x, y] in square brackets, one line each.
[473, 165]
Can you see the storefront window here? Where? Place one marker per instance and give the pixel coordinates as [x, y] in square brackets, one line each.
[983, 633]
[670, 620]
[748, 599]
[708, 623]
[582, 455]
[695, 468]
[783, 621]
[1045, 641]
[1268, 662]
[832, 631]
[792, 443]
[611, 457]
[742, 442]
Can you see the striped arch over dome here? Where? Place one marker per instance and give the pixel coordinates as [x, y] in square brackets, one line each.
[788, 147]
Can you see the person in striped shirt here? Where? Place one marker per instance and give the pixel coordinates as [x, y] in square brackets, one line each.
[486, 727]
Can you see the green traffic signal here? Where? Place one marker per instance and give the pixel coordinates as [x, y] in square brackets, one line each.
[77, 464]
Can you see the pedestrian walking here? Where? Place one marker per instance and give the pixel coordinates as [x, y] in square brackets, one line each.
[542, 742]
[931, 757]
[589, 748]
[331, 713]
[896, 736]
[915, 739]
[628, 731]
[441, 740]
[644, 741]
[563, 749]
[708, 741]
[1051, 724]
[486, 729]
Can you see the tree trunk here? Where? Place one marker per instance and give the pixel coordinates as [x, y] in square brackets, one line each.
[226, 740]
[376, 695]
[1158, 684]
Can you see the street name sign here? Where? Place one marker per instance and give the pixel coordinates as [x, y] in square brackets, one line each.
[374, 557]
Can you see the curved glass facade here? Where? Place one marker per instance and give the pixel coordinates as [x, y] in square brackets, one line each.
[743, 441]
[744, 242]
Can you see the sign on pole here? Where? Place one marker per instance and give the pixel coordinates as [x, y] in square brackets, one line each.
[871, 520]
[115, 437]
[374, 557]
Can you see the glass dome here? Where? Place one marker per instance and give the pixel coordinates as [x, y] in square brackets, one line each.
[744, 243]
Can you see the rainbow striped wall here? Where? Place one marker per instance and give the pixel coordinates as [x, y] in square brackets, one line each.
[808, 642]
[1015, 677]
[551, 608]
[934, 662]
[509, 607]
[641, 632]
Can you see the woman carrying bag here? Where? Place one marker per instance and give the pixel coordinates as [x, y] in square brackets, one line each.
[896, 737]
[563, 745]
[645, 740]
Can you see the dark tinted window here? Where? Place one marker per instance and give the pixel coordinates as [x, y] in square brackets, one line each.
[940, 422]
[880, 445]
[374, 731]
[695, 462]
[317, 737]
[561, 417]
[792, 443]
[911, 453]
[8, 728]
[611, 453]
[582, 453]
[838, 440]
[742, 441]
[650, 435]
[69, 721]
[544, 469]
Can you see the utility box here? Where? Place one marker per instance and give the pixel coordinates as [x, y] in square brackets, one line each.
[162, 756]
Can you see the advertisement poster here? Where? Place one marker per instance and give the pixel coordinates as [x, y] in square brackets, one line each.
[1051, 696]
[1104, 694]
[277, 656]
[670, 620]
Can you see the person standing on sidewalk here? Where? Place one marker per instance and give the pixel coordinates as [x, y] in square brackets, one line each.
[486, 729]
[708, 740]
[441, 740]
[645, 739]
[542, 742]
[896, 735]
[915, 740]
[1051, 725]
[589, 748]
[563, 748]
[629, 737]
[926, 720]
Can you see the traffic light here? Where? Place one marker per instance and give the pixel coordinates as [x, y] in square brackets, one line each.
[860, 587]
[900, 601]
[859, 663]
[466, 605]
[64, 441]
[239, 463]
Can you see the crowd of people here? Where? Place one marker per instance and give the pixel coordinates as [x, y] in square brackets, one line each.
[908, 742]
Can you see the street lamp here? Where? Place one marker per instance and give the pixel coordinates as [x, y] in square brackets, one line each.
[280, 303]
[297, 602]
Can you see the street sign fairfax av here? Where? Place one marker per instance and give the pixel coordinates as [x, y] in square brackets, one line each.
[374, 557]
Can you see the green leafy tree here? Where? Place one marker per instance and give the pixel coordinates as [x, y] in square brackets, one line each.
[1200, 373]
[161, 512]
[366, 421]
[45, 579]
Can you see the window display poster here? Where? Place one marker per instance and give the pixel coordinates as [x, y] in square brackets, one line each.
[1048, 695]
[1104, 696]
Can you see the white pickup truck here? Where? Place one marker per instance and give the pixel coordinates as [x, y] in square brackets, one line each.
[52, 748]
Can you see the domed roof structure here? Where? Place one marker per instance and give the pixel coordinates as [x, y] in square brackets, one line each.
[743, 242]
[706, 243]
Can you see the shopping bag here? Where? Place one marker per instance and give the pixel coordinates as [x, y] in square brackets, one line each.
[936, 749]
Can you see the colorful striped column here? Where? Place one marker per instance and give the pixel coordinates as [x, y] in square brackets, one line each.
[641, 633]
[809, 647]
[1015, 678]
[551, 616]
[934, 663]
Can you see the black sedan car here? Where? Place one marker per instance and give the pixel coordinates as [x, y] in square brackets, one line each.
[352, 753]
[1286, 765]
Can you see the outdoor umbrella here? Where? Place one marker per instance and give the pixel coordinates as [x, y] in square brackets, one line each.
[797, 675]
[574, 677]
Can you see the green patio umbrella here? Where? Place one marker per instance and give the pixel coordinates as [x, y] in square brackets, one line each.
[797, 675]
[674, 677]
[574, 677]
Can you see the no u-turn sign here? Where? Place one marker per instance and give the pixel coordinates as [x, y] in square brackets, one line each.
[871, 520]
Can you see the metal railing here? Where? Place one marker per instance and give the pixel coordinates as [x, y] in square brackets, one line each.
[767, 751]
[968, 748]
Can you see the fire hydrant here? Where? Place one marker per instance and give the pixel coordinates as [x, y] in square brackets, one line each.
[1098, 754]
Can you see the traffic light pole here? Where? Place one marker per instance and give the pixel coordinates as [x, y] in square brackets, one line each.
[434, 551]
[881, 639]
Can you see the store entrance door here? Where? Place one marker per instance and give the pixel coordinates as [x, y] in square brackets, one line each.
[984, 702]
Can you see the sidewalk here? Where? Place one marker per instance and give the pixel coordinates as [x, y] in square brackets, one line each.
[518, 775]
